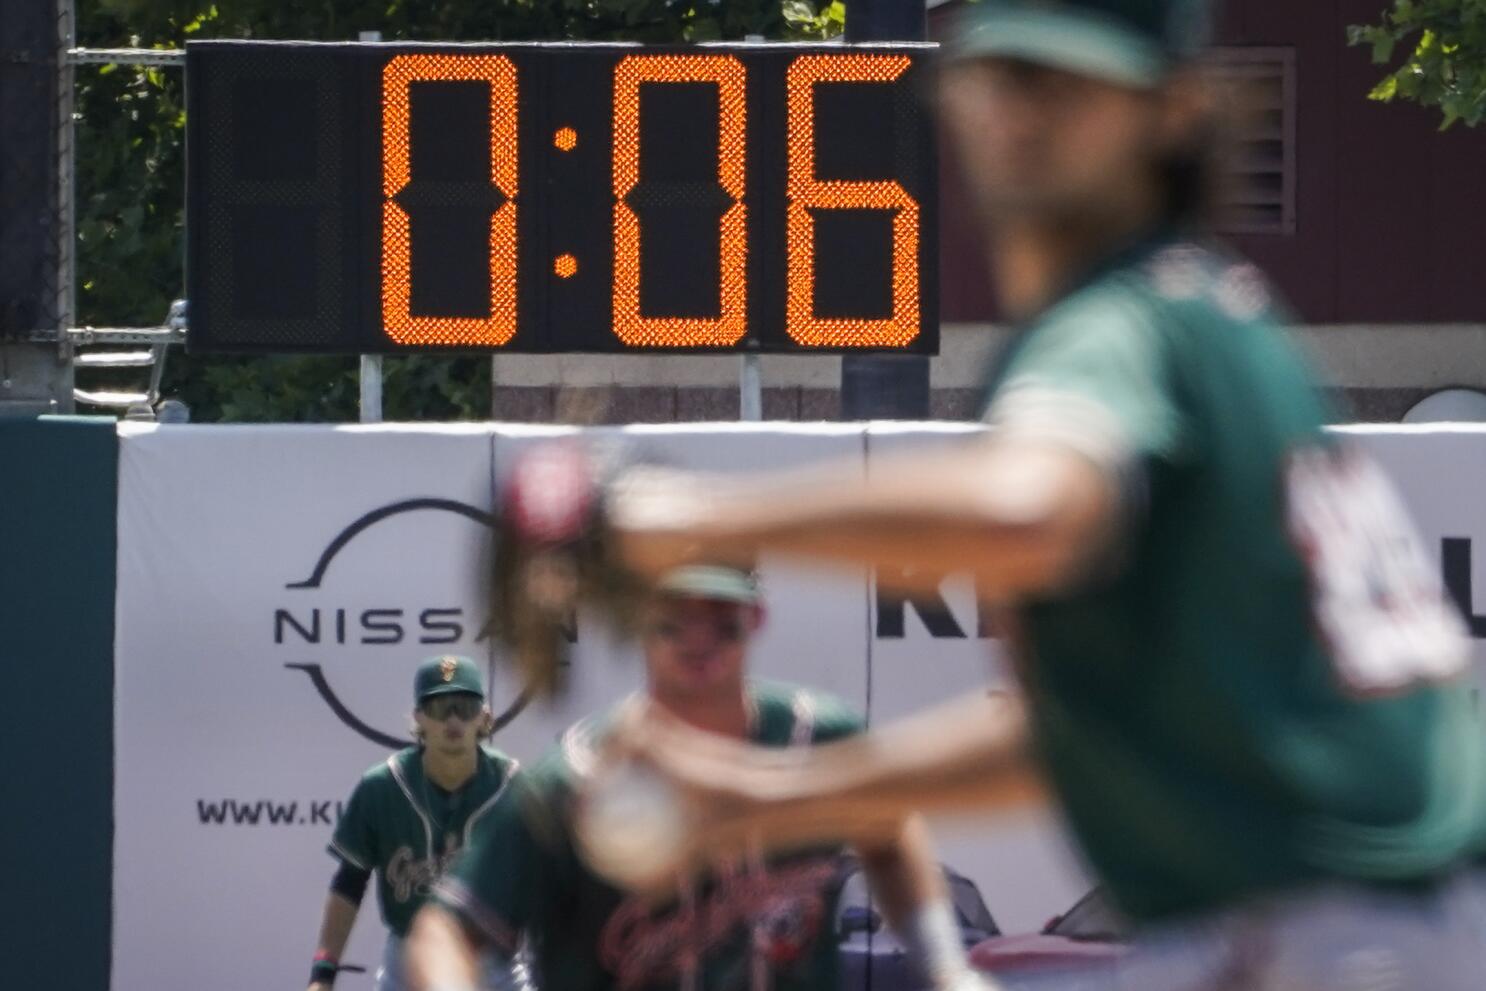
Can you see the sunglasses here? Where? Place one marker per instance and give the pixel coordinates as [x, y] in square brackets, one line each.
[441, 707]
[728, 629]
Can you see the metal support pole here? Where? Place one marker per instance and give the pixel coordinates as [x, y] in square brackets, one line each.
[161, 57]
[493, 384]
[886, 386]
[750, 388]
[371, 388]
[66, 181]
[750, 375]
[371, 364]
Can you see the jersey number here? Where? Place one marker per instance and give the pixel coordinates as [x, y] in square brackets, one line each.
[1378, 600]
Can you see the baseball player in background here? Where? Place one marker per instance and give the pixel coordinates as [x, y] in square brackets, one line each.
[411, 814]
[1242, 678]
[749, 924]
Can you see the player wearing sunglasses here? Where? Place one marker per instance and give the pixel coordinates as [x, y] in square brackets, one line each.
[749, 922]
[411, 814]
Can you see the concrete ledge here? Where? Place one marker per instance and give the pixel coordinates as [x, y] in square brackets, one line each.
[688, 404]
[1425, 356]
[1385, 356]
[613, 404]
[1375, 405]
[1377, 372]
[719, 370]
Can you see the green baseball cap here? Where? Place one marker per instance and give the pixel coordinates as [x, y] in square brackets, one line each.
[447, 674]
[710, 581]
[1128, 42]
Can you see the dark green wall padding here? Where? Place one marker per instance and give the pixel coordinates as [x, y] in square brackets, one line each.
[58, 512]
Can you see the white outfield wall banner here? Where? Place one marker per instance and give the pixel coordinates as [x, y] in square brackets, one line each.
[278, 584]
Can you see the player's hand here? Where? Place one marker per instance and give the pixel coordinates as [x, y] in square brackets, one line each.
[320, 986]
[667, 800]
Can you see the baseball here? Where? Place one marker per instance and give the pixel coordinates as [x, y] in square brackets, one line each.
[631, 824]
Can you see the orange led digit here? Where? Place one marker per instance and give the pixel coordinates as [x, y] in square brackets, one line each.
[397, 269]
[806, 193]
[730, 76]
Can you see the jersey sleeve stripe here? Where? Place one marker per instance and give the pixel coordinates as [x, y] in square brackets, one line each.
[341, 853]
[402, 783]
[802, 707]
[453, 894]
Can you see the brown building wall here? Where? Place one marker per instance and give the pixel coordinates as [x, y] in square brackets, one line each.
[1390, 212]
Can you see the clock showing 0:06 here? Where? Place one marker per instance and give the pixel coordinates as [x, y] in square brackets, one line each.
[347, 198]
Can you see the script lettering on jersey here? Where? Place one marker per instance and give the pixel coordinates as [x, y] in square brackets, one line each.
[1377, 599]
[408, 875]
[785, 906]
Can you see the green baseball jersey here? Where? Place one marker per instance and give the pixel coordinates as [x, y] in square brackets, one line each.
[408, 830]
[771, 921]
[1258, 684]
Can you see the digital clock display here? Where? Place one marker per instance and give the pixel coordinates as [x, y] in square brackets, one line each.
[354, 198]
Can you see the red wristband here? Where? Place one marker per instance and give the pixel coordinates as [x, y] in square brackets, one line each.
[324, 968]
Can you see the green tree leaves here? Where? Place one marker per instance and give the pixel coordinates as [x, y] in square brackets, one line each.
[1445, 65]
[816, 20]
